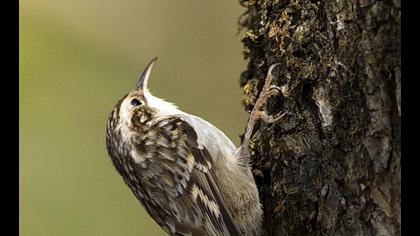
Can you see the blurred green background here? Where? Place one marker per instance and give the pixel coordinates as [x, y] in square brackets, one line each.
[77, 59]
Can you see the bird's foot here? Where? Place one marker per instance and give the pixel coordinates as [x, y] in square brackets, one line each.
[267, 91]
[258, 112]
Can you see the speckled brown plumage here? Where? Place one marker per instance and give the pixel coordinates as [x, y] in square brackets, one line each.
[187, 174]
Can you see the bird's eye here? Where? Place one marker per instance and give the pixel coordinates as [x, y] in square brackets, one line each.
[135, 102]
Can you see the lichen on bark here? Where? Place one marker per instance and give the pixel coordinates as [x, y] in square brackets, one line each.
[332, 165]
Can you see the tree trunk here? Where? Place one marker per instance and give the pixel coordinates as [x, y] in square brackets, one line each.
[331, 166]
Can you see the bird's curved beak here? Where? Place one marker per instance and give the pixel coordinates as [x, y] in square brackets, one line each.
[144, 78]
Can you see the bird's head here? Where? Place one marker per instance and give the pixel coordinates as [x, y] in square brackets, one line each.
[139, 106]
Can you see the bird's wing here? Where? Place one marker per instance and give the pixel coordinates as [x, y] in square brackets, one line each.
[181, 172]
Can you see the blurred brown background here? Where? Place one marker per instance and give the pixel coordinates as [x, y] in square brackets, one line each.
[77, 59]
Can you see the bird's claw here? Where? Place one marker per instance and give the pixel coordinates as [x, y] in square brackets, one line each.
[273, 90]
[267, 91]
[258, 112]
[272, 119]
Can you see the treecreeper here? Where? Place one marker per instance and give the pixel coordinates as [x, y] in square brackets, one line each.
[188, 174]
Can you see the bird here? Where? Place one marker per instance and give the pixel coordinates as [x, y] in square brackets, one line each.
[187, 174]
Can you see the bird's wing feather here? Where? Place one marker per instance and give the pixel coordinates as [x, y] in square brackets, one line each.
[182, 171]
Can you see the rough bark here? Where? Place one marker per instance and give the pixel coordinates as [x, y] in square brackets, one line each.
[332, 165]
